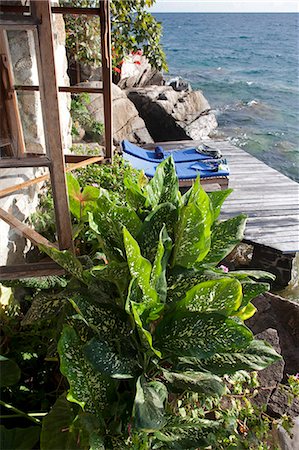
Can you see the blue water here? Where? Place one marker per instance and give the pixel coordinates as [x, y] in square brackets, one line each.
[247, 65]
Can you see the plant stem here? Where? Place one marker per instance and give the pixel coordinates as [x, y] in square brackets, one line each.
[21, 413]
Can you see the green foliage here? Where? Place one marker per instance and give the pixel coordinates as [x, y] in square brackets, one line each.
[159, 320]
[18, 438]
[82, 118]
[133, 28]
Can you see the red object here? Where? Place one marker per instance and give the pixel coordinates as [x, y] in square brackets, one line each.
[116, 69]
[137, 62]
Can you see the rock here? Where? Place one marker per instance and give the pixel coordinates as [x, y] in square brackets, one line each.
[178, 84]
[183, 115]
[240, 257]
[126, 122]
[286, 441]
[137, 71]
[282, 315]
[270, 377]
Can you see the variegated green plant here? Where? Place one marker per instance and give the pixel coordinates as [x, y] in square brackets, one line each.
[159, 319]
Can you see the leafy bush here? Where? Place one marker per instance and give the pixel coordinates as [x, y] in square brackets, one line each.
[158, 322]
[133, 28]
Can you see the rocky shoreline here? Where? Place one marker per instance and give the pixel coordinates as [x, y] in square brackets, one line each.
[144, 101]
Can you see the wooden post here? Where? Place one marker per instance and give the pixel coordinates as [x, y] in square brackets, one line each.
[50, 108]
[10, 99]
[107, 74]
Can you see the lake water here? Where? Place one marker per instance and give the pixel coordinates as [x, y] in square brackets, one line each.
[247, 66]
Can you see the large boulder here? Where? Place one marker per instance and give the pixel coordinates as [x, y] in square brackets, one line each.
[172, 115]
[126, 121]
[137, 71]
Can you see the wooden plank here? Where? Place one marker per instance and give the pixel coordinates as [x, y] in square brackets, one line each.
[22, 228]
[107, 74]
[70, 89]
[50, 109]
[40, 269]
[11, 107]
[55, 10]
[14, 22]
[78, 165]
[26, 161]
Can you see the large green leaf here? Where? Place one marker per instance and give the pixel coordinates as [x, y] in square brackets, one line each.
[181, 280]
[148, 238]
[192, 236]
[47, 282]
[65, 259]
[134, 194]
[45, 306]
[223, 296]
[108, 220]
[257, 356]
[251, 290]
[202, 382]
[115, 272]
[200, 335]
[217, 199]
[10, 372]
[225, 236]
[144, 334]
[158, 275]
[140, 268]
[108, 321]
[164, 186]
[89, 388]
[254, 274]
[191, 434]
[58, 430]
[18, 438]
[81, 202]
[148, 409]
[105, 358]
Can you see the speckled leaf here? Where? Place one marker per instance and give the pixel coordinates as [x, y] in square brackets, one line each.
[148, 409]
[140, 268]
[251, 290]
[164, 186]
[223, 296]
[189, 434]
[257, 356]
[180, 280]
[158, 275]
[115, 272]
[144, 334]
[47, 282]
[108, 222]
[202, 382]
[104, 358]
[200, 335]
[108, 321]
[149, 234]
[90, 389]
[65, 259]
[134, 195]
[192, 236]
[217, 199]
[225, 236]
[254, 274]
[45, 306]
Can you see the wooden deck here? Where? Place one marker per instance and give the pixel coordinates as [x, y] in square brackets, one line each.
[270, 199]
